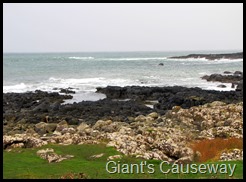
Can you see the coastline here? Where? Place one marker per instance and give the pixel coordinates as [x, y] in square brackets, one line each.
[238, 55]
[146, 122]
[129, 126]
[120, 103]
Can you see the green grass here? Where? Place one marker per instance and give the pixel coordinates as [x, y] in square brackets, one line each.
[24, 163]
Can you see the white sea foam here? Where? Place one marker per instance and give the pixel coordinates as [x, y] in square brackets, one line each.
[83, 84]
[85, 88]
[81, 58]
[133, 59]
[85, 72]
[216, 61]
[187, 59]
[203, 73]
[19, 88]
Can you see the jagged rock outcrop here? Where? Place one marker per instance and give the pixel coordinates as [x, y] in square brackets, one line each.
[238, 55]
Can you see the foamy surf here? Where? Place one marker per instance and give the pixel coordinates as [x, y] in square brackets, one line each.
[84, 72]
[81, 58]
[133, 59]
[208, 61]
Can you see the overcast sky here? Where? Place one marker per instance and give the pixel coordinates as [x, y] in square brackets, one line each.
[121, 27]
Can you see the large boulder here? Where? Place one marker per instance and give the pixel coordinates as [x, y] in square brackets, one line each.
[101, 124]
[23, 141]
[43, 127]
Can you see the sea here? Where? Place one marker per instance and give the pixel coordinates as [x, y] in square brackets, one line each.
[83, 72]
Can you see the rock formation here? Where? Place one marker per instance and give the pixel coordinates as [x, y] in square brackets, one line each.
[238, 55]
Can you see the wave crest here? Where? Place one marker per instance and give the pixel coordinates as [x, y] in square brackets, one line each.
[81, 58]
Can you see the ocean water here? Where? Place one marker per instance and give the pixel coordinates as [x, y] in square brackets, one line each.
[83, 72]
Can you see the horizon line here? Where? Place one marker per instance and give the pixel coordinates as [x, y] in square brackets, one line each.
[35, 52]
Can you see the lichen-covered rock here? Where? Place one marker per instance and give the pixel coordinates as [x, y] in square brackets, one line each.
[140, 118]
[100, 124]
[68, 130]
[61, 125]
[114, 157]
[233, 154]
[26, 140]
[49, 155]
[216, 119]
[97, 156]
[153, 115]
[43, 127]
[151, 136]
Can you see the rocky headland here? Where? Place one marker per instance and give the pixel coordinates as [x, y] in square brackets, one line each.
[238, 55]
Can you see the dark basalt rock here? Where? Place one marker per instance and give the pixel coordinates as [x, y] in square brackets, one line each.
[67, 91]
[221, 86]
[223, 78]
[240, 86]
[238, 73]
[121, 104]
[238, 55]
[43, 104]
[235, 79]
[227, 72]
[171, 96]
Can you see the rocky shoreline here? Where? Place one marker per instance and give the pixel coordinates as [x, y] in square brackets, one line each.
[123, 120]
[168, 97]
[152, 136]
[236, 79]
[121, 104]
[238, 55]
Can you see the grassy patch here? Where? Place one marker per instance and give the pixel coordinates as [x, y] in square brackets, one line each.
[24, 163]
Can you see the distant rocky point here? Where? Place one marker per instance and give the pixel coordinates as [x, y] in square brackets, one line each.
[238, 55]
[235, 78]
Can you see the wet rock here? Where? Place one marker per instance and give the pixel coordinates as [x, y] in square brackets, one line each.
[227, 72]
[240, 86]
[238, 73]
[67, 91]
[238, 55]
[221, 86]
[169, 97]
[223, 78]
